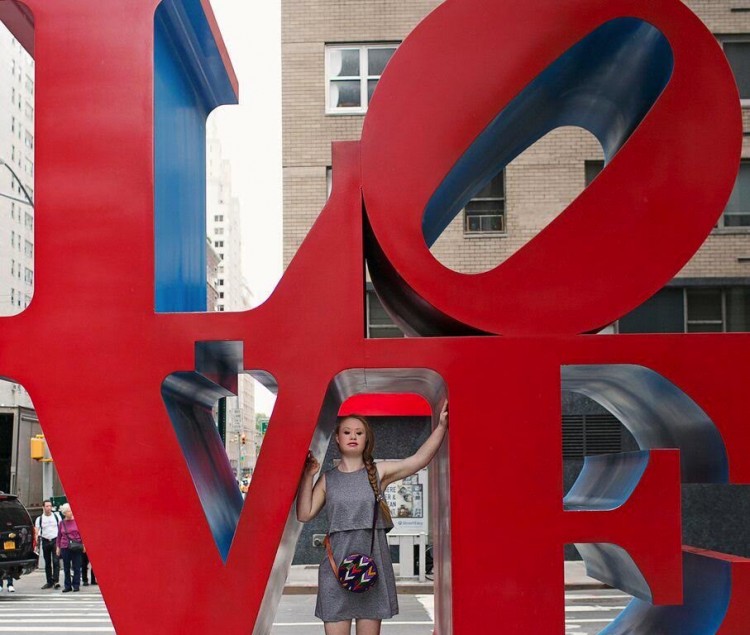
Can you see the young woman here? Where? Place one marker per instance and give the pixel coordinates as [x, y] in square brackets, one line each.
[348, 493]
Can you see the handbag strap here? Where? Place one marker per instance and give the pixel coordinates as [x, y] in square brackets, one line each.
[327, 540]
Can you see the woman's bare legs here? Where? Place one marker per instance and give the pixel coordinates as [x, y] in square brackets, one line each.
[338, 628]
[368, 627]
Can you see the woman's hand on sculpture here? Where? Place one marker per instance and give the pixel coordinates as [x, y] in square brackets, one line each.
[312, 466]
[443, 420]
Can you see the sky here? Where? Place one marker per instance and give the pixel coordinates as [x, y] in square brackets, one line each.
[250, 135]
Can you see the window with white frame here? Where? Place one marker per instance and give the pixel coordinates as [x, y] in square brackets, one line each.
[485, 212]
[352, 72]
[717, 310]
[737, 211]
[737, 50]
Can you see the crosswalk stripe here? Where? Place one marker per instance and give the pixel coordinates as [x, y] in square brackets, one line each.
[4, 616]
[56, 597]
[63, 620]
[57, 629]
[612, 596]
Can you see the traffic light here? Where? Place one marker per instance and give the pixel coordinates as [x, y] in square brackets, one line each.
[243, 438]
[37, 447]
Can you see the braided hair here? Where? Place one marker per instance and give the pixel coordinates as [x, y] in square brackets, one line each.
[372, 473]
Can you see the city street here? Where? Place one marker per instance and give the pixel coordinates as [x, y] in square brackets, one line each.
[588, 612]
[32, 610]
[36, 612]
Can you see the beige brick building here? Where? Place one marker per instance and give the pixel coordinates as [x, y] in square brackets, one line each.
[325, 45]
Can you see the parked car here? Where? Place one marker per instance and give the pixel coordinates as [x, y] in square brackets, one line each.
[17, 541]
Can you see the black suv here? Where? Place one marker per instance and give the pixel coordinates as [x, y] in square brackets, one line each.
[17, 540]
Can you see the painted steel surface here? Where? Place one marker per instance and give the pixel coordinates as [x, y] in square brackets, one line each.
[488, 73]
[92, 328]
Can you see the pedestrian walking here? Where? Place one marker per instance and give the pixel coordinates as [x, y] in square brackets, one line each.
[70, 549]
[85, 569]
[9, 584]
[358, 519]
[45, 529]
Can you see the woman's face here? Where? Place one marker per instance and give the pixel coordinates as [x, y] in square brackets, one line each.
[68, 513]
[351, 437]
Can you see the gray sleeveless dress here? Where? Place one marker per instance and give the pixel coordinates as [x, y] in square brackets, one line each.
[349, 504]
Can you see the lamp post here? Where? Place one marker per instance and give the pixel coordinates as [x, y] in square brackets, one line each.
[27, 197]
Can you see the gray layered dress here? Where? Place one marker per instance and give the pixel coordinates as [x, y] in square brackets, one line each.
[350, 503]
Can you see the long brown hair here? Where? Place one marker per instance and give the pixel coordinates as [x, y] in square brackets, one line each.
[372, 473]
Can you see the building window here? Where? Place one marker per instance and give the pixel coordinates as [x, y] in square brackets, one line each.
[486, 211]
[219, 231]
[352, 72]
[737, 211]
[218, 218]
[379, 323]
[717, 310]
[591, 170]
[28, 276]
[28, 249]
[737, 50]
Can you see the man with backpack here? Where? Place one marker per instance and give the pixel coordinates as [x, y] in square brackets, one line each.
[45, 527]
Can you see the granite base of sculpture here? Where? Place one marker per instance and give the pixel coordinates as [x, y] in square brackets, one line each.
[124, 392]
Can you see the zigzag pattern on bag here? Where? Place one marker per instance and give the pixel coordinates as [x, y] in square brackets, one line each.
[358, 573]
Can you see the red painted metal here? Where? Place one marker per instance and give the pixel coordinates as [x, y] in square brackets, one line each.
[375, 405]
[737, 617]
[639, 231]
[93, 354]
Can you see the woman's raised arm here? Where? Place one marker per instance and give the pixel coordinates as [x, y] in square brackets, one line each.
[391, 471]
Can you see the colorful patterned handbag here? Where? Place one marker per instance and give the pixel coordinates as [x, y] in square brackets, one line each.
[357, 572]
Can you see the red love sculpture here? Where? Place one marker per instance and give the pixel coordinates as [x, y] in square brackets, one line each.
[140, 460]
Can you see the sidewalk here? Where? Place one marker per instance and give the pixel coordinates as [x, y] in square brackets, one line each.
[303, 579]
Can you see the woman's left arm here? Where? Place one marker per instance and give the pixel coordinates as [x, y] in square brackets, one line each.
[391, 471]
